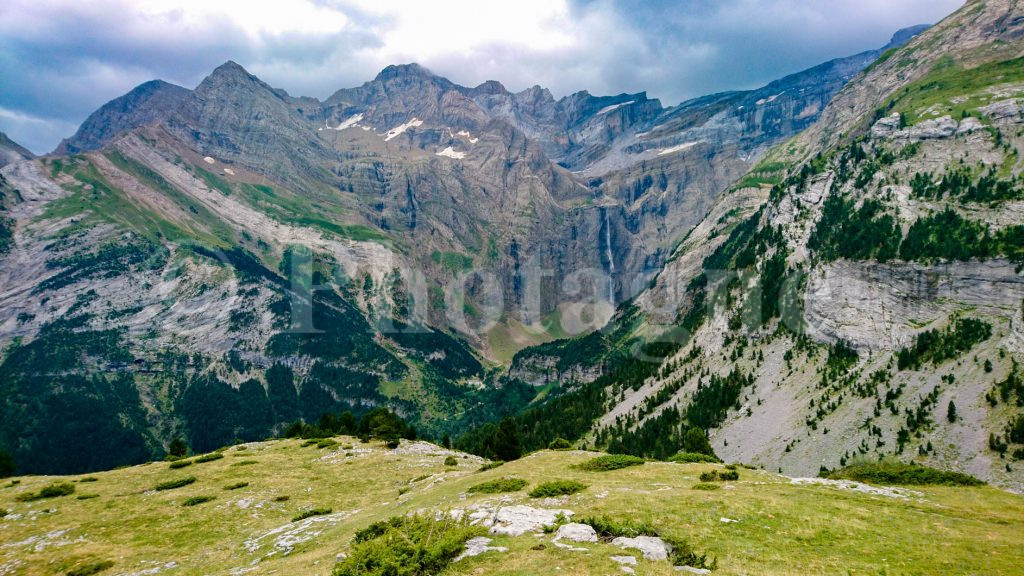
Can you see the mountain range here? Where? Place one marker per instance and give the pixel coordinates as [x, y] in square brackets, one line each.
[823, 269]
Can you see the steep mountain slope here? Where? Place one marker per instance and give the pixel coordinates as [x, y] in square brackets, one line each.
[11, 151]
[244, 513]
[858, 294]
[217, 262]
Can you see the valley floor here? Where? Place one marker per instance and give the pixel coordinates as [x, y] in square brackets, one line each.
[761, 524]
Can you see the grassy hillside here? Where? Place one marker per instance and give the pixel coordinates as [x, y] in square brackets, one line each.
[238, 516]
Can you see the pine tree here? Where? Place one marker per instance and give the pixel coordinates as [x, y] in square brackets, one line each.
[951, 412]
[177, 447]
[6, 464]
[696, 440]
[506, 441]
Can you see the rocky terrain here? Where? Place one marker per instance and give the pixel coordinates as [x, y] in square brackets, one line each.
[237, 255]
[859, 293]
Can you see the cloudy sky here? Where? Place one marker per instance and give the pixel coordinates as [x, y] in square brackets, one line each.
[61, 59]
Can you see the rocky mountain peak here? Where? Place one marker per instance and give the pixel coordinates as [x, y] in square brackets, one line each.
[229, 76]
[411, 70]
[146, 103]
[489, 88]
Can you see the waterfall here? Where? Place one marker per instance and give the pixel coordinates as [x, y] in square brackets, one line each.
[608, 254]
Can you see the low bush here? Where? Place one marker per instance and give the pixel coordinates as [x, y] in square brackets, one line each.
[684, 555]
[244, 463]
[88, 479]
[180, 464]
[729, 475]
[608, 528]
[610, 462]
[725, 475]
[407, 546]
[693, 458]
[282, 498]
[209, 457]
[326, 443]
[560, 444]
[236, 486]
[91, 568]
[490, 465]
[451, 461]
[197, 500]
[87, 496]
[706, 486]
[310, 513]
[3, 512]
[176, 483]
[498, 486]
[557, 488]
[310, 442]
[51, 491]
[899, 473]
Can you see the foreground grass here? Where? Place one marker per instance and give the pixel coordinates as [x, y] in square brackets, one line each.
[782, 528]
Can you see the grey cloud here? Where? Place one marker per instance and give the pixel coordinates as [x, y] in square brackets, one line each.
[70, 61]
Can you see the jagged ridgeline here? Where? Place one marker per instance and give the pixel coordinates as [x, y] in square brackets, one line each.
[857, 295]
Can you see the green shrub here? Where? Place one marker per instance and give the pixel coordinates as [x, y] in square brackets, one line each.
[498, 486]
[3, 512]
[51, 491]
[91, 568]
[196, 500]
[451, 461]
[310, 513]
[177, 483]
[608, 528]
[560, 444]
[693, 457]
[406, 546]
[236, 486]
[706, 486]
[898, 473]
[89, 479]
[490, 465]
[714, 475]
[209, 457]
[610, 462]
[326, 443]
[180, 464]
[729, 475]
[557, 488]
[244, 463]
[87, 496]
[283, 498]
[310, 442]
[684, 555]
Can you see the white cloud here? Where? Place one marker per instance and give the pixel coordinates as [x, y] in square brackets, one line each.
[68, 57]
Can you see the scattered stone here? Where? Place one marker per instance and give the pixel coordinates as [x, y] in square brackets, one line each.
[692, 570]
[285, 538]
[725, 520]
[576, 533]
[631, 560]
[209, 160]
[516, 520]
[569, 548]
[854, 486]
[652, 547]
[477, 546]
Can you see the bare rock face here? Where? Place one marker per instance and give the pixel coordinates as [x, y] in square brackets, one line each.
[652, 547]
[576, 533]
[882, 306]
[11, 151]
